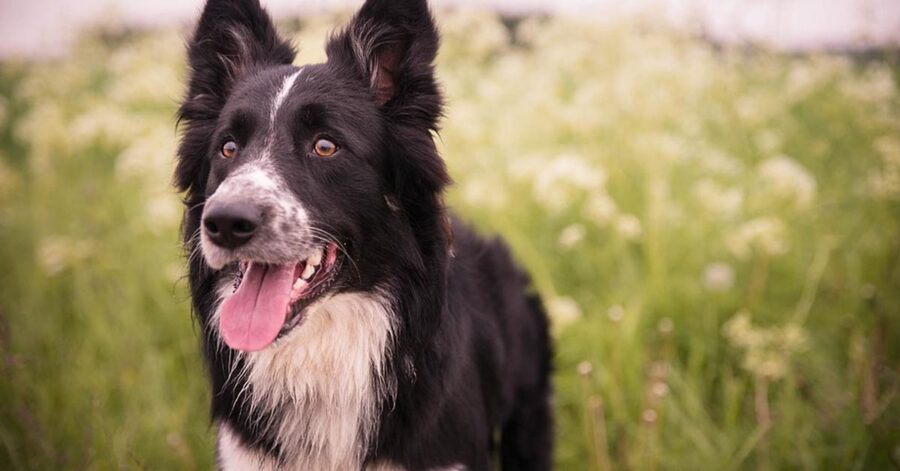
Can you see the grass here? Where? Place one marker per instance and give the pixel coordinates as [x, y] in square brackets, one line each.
[716, 234]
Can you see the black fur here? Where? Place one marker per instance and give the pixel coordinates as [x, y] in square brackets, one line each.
[471, 328]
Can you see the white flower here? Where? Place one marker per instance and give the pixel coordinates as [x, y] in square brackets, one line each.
[473, 35]
[615, 313]
[571, 236]
[766, 351]
[718, 276]
[103, 124]
[875, 85]
[884, 182]
[629, 226]
[147, 157]
[600, 209]
[479, 192]
[559, 180]
[785, 177]
[564, 310]
[719, 200]
[721, 163]
[764, 234]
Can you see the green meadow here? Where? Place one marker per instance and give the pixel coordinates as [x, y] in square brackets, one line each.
[715, 232]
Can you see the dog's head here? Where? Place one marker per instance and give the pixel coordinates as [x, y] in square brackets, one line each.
[302, 181]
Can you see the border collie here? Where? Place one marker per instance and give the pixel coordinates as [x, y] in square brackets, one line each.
[348, 321]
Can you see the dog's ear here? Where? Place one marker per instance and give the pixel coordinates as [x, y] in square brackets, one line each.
[392, 45]
[231, 37]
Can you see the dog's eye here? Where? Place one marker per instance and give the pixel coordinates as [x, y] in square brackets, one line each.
[229, 149]
[325, 148]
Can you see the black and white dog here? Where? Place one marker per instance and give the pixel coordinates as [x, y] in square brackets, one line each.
[348, 322]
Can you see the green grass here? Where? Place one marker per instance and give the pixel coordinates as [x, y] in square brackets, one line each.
[716, 234]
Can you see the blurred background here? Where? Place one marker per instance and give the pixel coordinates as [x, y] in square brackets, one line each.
[707, 194]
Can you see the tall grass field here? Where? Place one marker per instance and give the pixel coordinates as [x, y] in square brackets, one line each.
[715, 232]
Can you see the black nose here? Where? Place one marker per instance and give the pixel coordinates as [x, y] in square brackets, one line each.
[231, 225]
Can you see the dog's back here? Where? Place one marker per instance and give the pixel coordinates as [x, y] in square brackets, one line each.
[509, 346]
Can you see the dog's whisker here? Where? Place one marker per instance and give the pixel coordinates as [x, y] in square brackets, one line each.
[191, 208]
[326, 236]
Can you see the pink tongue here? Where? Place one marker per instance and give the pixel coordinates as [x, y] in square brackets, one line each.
[251, 318]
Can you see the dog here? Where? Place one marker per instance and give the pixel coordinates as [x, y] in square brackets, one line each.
[348, 320]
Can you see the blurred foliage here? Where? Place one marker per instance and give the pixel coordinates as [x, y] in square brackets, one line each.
[715, 233]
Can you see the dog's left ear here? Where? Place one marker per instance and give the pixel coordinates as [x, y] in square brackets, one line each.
[392, 45]
[231, 39]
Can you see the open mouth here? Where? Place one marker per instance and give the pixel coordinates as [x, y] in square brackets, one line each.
[269, 300]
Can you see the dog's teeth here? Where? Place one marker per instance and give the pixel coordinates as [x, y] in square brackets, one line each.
[308, 271]
[315, 259]
[299, 284]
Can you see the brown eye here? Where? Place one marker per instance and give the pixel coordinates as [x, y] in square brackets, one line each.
[325, 148]
[229, 149]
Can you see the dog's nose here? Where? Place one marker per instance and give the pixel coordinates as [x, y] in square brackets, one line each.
[231, 225]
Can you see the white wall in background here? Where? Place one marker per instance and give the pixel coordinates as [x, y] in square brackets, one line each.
[35, 27]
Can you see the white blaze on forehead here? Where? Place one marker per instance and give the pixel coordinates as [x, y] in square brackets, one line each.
[282, 94]
[286, 85]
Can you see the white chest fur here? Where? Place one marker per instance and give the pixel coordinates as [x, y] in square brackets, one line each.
[323, 383]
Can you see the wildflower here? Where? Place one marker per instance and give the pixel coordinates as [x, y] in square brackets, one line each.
[615, 313]
[721, 163]
[584, 368]
[600, 208]
[785, 177]
[718, 276]
[153, 85]
[766, 352]
[763, 234]
[564, 310]
[147, 157]
[571, 235]
[557, 181]
[475, 36]
[629, 226]
[885, 181]
[102, 124]
[724, 202]
[479, 192]
[659, 389]
[875, 85]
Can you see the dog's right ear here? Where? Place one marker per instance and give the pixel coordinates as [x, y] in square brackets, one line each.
[232, 37]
